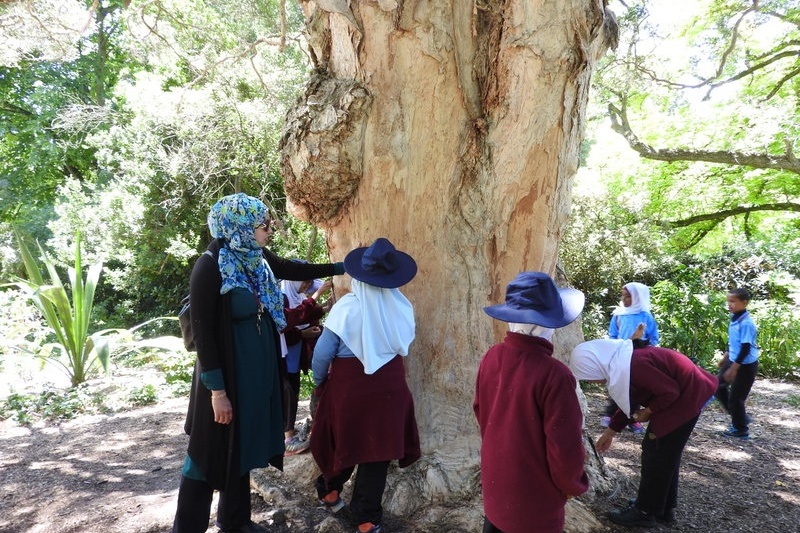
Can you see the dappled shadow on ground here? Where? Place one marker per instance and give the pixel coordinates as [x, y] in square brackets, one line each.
[120, 473]
[727, 485]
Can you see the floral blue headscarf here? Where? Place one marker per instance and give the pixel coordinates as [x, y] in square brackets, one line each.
[241, 262]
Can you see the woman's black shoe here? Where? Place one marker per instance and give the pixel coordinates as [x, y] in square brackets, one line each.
[667, 518]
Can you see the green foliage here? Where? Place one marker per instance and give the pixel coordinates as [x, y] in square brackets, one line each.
[49, 107]
[605, 246]
[778, 339]
[181, 125]
[21, 328]
[144, 395]
[701, 87]
[67, 313]
[306, 386]
[691, 319]
[50, 404]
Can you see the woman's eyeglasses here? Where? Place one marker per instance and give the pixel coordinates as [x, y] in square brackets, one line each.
[267, 226]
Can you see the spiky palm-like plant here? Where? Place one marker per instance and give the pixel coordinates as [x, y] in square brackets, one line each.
[67, 312]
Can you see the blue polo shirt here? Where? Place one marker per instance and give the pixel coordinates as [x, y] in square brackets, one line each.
[742, 330]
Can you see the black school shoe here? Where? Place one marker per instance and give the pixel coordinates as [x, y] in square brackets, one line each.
[632, 517]
[250, 527]
[668, 518]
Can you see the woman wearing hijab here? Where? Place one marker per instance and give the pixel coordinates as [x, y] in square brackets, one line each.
[655, 385]
[235, 417]
[532, 454]
[365, 416]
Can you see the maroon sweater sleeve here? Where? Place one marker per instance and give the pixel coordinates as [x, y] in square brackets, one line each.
[562, 425]
[307, 312]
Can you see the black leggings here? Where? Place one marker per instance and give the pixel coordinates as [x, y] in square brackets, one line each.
[365, 504]
[488, 527]
[194, 505]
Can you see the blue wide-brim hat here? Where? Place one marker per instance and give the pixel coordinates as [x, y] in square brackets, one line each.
[381, 265]
[533, 298]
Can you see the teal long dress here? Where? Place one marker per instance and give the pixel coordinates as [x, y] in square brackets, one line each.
[259, 396]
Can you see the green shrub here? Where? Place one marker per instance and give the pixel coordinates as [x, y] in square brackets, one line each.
[691, 319]
[49, 404]
[778, 339]
[306, 386]
[144, 395]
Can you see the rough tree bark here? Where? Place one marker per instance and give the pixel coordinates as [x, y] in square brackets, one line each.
[453, 128]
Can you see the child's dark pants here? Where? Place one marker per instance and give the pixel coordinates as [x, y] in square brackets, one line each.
[732, 396]
[661, 462]
[365, 504]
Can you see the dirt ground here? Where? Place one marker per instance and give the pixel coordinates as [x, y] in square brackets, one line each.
[120, 473]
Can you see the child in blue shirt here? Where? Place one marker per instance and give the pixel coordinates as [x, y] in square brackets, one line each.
[738, 369]
[634, 309]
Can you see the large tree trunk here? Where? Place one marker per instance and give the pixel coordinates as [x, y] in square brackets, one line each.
[452, 128]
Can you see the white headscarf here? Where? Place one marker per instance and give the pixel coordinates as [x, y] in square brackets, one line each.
[609, 360]
[292, 291]
[640, 299]
[376, 324]
[532, 329]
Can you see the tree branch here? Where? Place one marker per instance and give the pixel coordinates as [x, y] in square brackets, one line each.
[620, 124]
[778, 53]
[719, 216]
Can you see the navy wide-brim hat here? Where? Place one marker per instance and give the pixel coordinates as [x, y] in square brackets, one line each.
[381, 265]
[533, 298]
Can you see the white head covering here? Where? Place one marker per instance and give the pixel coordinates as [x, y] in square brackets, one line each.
[375, 323]
[532, 329]
[293, 295]
[609, 360]
[292, 291]
[640, 299]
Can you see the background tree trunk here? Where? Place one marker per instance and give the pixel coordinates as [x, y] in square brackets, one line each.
[452, 128]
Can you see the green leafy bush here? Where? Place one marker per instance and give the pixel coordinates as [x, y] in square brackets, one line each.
[778, 339]
[691, 319]
[144, 395]
[49, 404]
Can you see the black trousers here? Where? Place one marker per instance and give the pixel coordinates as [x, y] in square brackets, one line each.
[194, 505]
[661, 463]
[365, 504]
[733, 396]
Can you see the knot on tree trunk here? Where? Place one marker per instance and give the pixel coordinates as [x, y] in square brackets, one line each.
[322, 147]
